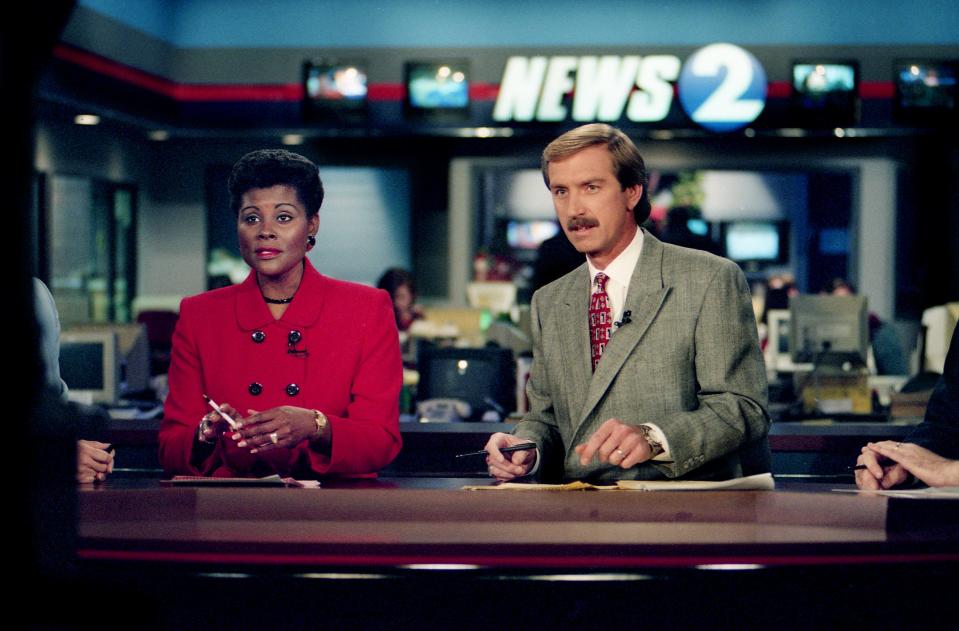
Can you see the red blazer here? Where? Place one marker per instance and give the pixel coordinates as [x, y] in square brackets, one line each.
[352, 372]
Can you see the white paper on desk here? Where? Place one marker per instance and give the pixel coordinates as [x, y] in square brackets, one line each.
[759, 482]
[931, 493]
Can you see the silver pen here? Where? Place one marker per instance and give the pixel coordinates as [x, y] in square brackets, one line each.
[226, 416]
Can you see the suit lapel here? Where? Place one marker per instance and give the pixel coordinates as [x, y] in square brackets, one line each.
[644, 299]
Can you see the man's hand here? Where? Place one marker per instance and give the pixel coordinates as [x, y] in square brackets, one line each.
[617, 443]
[94, 461]
[927, 466]
[508, 466]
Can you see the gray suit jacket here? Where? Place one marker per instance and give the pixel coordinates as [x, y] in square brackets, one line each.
[689, 361]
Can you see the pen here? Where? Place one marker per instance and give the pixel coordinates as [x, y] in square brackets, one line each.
[503, 450]
[883, 462]
[216, 407]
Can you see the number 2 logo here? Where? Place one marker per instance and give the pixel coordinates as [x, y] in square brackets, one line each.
[722, 87]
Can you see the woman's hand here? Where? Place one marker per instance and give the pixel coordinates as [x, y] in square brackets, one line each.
[212, 426]
[929, 467]
[879, 473]
[285, 426]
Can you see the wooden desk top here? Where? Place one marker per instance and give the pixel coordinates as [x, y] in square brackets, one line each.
[403, 522]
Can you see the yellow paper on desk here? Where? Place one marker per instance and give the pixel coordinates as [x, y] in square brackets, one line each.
[759, 482]
[524, 486]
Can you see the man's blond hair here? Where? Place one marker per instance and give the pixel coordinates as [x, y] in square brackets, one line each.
[627, 163]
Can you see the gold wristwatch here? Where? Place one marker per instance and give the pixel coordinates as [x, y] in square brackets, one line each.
[321, 422]
[655, 447]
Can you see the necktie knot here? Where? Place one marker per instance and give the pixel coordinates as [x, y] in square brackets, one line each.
[601, 280]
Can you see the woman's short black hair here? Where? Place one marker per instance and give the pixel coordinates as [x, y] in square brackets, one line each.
[266, 168]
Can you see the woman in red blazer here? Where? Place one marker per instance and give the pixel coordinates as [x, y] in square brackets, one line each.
[307, 365]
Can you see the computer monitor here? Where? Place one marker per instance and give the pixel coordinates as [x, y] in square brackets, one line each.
[132, 354]
[829, 330]
[756, 241]
[938, 322]
[483, 377]
[89, 366]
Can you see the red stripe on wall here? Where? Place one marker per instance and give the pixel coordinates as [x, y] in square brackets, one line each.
[115, 70]
[211, 93]
[877, 90]
[778, 90]
[484, 91]
[386, 92]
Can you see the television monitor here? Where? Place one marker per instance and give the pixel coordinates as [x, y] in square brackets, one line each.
[925, 91]
[334, 88]
[89, 366]
[133, 354]
[828, 330]
[825, 93]
[529, 235]
[756, 241]
[437, 87]
[483, 377]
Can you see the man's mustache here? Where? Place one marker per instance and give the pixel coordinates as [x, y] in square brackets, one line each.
[581, 222]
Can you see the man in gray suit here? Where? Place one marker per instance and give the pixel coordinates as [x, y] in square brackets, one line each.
[646, 363]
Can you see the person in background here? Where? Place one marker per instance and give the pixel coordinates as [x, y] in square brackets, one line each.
[930, 453]
[679, 233]
[308, 366]
[94, 458]
[555, 258]
[401, 286]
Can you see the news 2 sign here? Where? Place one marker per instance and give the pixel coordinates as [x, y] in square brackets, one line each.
[721, 87]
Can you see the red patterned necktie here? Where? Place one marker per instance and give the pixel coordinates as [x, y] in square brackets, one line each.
[600, 319]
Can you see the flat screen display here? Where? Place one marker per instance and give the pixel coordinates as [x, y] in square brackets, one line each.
[761, 241]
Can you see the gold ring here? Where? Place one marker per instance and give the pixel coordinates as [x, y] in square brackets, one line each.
[622, 454]
[274, 438]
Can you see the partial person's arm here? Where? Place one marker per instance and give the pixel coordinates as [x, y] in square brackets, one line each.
[730, 375]
[367, 437]
[939, 430]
